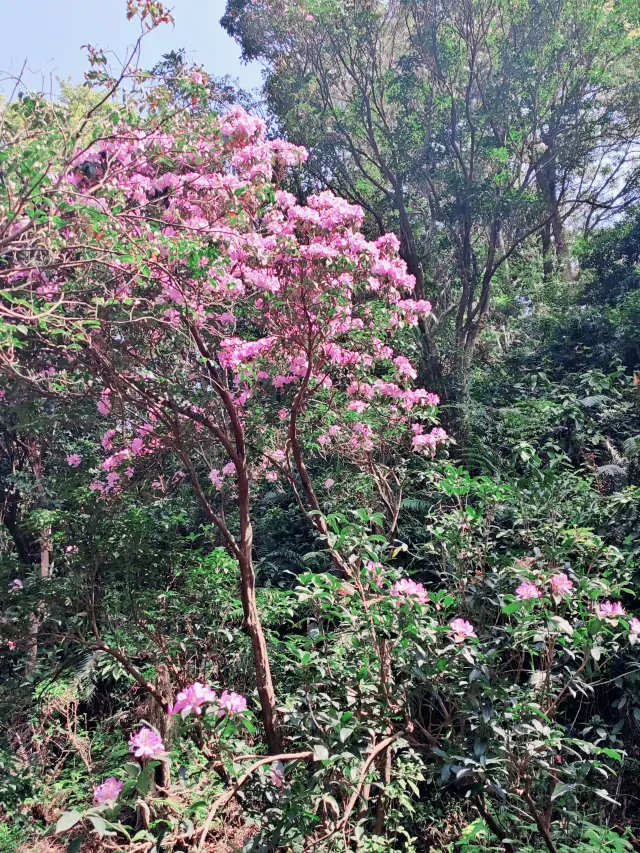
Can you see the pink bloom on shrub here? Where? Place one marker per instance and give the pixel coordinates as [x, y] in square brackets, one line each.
[272, 476]
[146, 743]
[16, 585]
[216, 479]
[104, 403]
[71, 549]
[112, 479]
[74, 459]
[283, 414]
[406, 589]
[192, 699]
[328, 483]
[461, 630]
[528, 590]
[109, 790]
[231, 703]
[561, 584]
[610, 610]
[634, 626]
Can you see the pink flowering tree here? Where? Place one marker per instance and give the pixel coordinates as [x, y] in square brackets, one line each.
[215, 318]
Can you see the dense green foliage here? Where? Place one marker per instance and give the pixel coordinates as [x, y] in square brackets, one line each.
[447, 674]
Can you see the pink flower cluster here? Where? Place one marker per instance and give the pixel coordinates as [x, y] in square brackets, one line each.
[108, 791]
[195, 697]
[408, 590]
[428, 441]
[146, 743]
[560, 585]
[527, 591]
[461, 630]
[231, 703]
[611, 610]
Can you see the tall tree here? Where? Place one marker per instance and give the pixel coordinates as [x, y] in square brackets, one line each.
[468, 126]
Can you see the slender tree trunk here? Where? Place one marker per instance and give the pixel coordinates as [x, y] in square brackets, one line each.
[157, 716]
[264, 680]
[547, 256]
[45, 539]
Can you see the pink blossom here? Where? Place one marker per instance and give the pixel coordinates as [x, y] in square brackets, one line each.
[634, 625]
[405, 367]
[108, 791]
[74, 459]
[283, 414]
[428, 441]
[193, 699]
[231, 703]
[611, 610]
[104, 403]
[216, 478]
[146, 743]
[528, 590]
[406, 589]
[328, 483]
[71, 549]
[106, 439]
[136, 446]
[461, 630]
[11, 645]
[561, 584]
[272, 476]
[16, 585]
[112, 479]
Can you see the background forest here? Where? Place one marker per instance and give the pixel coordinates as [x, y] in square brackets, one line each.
[320, 438]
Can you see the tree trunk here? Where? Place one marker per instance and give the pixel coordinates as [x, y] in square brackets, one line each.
[159, 718]
[260, 654]
[45, 561]
[262, 667]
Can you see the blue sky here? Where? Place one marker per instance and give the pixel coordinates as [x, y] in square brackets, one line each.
[48, 34]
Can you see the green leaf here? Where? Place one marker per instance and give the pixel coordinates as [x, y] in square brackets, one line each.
[67, 821]
[143, 782]
[604, 795]
[345, 734]
[99, 824]
[560, 789]
[320, 752]
[74, 845]
[611, 753]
